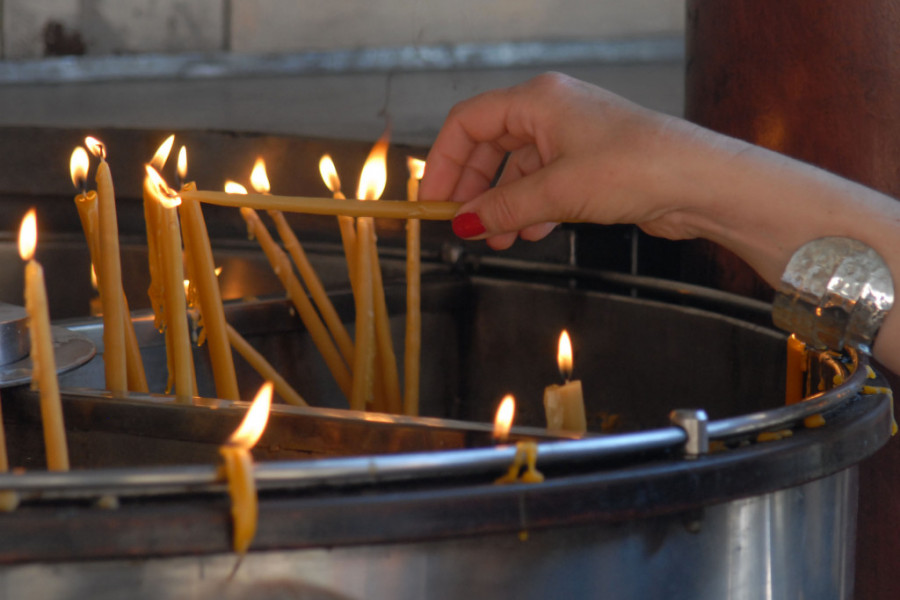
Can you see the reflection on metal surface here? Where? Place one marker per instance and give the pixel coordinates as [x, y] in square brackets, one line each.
[794, 543]
[70, 348]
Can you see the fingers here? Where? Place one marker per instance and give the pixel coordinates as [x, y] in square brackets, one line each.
[470, 147]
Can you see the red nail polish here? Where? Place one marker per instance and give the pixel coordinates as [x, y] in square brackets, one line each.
[467, 225]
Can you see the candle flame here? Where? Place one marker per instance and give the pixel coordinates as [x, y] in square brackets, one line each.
[182, 163]
[162, 153]
[233, 187]
[78, 167]
[254, 423]
[329, 174]
[258, 178]
[504, 419]
[373, 178]
[28, 235]
[160, 189]
[416, 167]
[564, 356]
[96, 147]
[93, 277]
[217, 271]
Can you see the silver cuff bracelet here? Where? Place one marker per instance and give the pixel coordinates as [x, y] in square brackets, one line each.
[834, 293]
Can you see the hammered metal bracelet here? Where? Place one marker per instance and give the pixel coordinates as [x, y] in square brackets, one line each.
[834, 293]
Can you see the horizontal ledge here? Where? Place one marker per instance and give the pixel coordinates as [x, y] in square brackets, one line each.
[82, 69]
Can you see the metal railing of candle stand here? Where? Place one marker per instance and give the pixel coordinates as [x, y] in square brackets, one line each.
[407, 467]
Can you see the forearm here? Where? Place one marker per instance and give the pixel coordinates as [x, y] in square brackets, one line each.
[764, 206]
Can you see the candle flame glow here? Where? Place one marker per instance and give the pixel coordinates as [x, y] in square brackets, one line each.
[217, 271]
[93, 277]
[95, 146]
[329, 174]
[162, 153]
[504, 419]
[564, 356]
[160, 189]
[78, 167]
[416, 167]
[258, 178]
[233, 187]
[373, 178]
[28, 235]
[254, 423]
[182, 163]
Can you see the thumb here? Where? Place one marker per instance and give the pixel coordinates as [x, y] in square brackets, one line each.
[507, 208]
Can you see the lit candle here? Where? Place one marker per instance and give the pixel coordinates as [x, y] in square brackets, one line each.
[42, 357]
[385, 209]
[86, 203]
[263, 367]
[413, 295]
[345, 223]
[209, 297]
[794, 370]
[372, 182]
[154, 222]
[172, 266]
[564, 404]
[239, 469]
[110, 275]
[282, 268]
[526, 451]
[260, 182]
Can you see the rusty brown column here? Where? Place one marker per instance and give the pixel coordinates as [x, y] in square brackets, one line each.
[818, 80]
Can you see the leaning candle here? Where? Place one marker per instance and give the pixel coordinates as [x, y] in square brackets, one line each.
[386, 209]
[153, 221]
[173, 281]
[42, 357]
[317, 330]
[564, 404]
[110, 275]
[86, 203]
[413, 295]
[345, 223]
[263, 367]
[9, 499]
[209, 297]
[239, 469]
[260, 182]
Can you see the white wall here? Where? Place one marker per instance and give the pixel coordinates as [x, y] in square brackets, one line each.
[276, 26]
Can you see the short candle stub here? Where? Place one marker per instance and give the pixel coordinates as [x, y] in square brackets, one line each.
[694, 423]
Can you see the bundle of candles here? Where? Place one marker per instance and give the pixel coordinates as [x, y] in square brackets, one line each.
[183, 282]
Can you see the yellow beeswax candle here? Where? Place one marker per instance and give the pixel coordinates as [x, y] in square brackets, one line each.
[372, 182]
[109, 276]
[260, 182]
[172, 266]
[345, 223]
[209, 297]
[564, 404]
[9, 499]
[795, 369]
[42, 358]
[264, 368]
[317, 330]
[239, 469]
[364, 358]
[413, 341]
[86, 203]
[385, 209]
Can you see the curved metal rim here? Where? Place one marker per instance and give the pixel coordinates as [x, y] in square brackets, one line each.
[378, 469]
[70, 348]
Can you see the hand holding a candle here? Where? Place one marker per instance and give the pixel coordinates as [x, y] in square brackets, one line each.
[582, 154]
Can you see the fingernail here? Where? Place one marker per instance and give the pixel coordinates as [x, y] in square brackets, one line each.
[467, 225]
